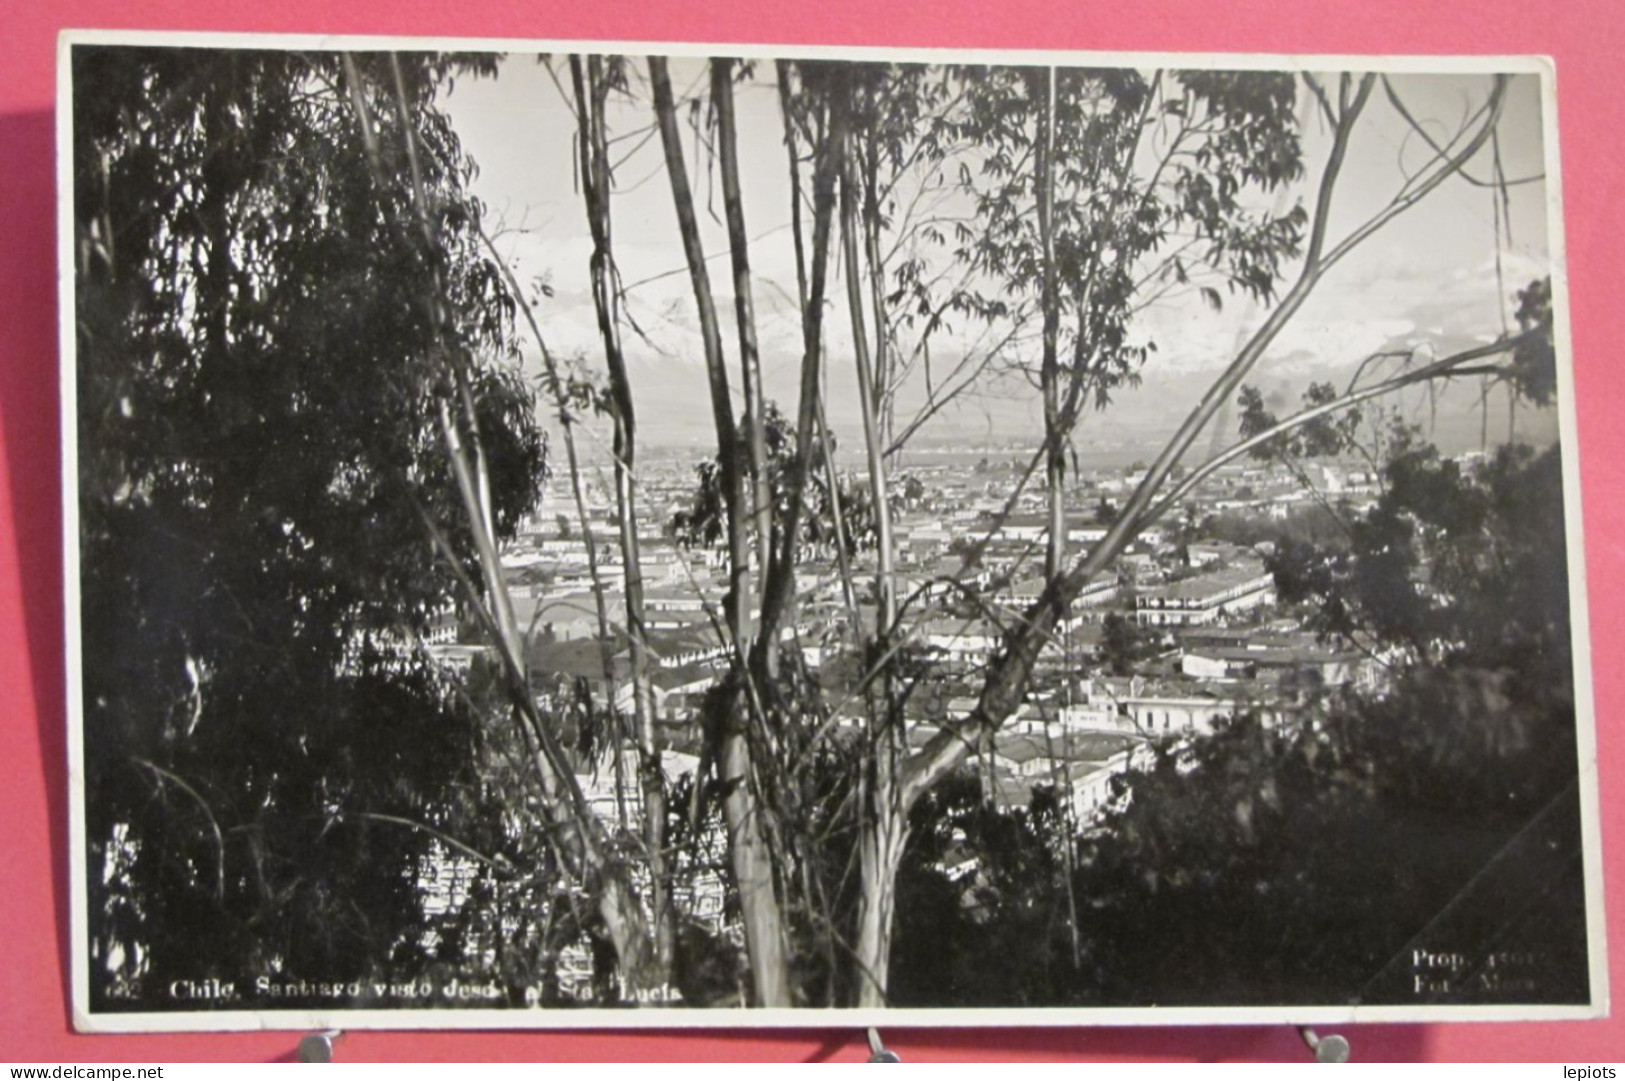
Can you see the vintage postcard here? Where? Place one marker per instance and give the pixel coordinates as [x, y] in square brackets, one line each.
[568, 535]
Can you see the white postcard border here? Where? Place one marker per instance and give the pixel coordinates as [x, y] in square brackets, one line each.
[517, 1019]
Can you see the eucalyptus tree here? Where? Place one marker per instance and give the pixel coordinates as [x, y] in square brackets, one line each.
[1136, 162]
[593, 80]
[1260, 149]
[1009, 673]
[743, 478]
[266, 759]
[1105, 192]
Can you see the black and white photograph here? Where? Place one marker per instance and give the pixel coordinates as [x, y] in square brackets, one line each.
[637, 535]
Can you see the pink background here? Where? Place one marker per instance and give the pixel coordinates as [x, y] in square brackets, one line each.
[1587, 40]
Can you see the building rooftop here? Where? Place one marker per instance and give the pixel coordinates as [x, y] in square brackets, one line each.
[1206, 585]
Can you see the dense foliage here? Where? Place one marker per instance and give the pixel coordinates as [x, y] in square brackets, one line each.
[258, 384]
[1311, 861]
[703, 523]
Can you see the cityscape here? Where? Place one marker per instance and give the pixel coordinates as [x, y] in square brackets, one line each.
[1183, 633]
[1209, 639]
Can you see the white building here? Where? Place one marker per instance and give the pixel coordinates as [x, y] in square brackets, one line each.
[1205, 599]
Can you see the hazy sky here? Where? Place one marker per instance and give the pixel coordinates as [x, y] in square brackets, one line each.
[1429, 277]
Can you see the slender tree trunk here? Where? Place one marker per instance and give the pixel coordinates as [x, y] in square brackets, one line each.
[749, 848]
[874, 450]
[823, 117]
[786, 74]
[556, 391]
[750, 364]
[778, 592]
[773, 982]
[881, 837]
[591, 92]
[1055, 433]
[826, 444]
[882, 826]
[837, 514]
[884, 361]
[576, 833]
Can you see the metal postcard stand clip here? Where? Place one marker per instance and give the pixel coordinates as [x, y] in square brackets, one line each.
[877, 1050]
[318, 1046]
[1329, 1048]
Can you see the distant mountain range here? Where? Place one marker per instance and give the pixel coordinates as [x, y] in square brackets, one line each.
[674, 407]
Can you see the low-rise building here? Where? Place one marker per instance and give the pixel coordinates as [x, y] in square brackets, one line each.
[964, 641]
[1206, 598]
